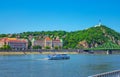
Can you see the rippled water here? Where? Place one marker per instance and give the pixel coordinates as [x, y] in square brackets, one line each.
[38, 66]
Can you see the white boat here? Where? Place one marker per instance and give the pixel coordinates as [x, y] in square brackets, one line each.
[58, 57]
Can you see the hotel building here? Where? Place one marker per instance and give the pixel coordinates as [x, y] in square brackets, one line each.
[14, 43]
[48, 42]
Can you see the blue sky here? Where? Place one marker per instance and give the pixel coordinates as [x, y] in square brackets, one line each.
[18, 16]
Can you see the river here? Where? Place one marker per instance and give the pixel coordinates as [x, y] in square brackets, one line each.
[79, 65]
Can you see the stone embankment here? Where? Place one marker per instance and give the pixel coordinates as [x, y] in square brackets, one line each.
[67, 51]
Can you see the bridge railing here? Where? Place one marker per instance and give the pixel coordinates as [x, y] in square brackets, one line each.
[115, 73]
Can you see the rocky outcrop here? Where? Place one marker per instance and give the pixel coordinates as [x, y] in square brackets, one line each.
[83, 44]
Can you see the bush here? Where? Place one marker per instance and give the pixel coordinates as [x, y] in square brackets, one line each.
[47, 47]
[56, 47]
[6, 47]
[37, 47]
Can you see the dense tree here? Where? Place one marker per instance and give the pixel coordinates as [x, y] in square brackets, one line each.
[29, 44]
[47, 47]
[5, 47]
[94, 36]
[37, 47]
[56, 47]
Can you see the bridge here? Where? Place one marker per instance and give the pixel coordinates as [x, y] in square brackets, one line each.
[103, 50]
[115, 73]
[107, 48]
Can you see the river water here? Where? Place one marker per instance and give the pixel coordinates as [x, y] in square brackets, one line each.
[80, 65]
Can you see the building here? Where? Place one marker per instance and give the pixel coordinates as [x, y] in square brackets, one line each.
[2, 42]
[57, 43]
[37, 43]
[14, 43]
[48, 42]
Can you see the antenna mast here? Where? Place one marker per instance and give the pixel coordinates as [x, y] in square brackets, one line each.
[100, 22]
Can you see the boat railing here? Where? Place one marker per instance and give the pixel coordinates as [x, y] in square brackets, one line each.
[115, 73]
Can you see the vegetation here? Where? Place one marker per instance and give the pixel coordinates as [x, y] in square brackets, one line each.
[106, 46]
[56, 47]
[6, 47]
[29, 44]
[92, 37]
[88, 38]
[47, 47]
[109, 45]
[37, 47]
[51, 34]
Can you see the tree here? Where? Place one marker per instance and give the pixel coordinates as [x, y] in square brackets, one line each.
[37, 47]
[94, 36]
[47, 47]
[29, 44]
[56, 47]
[6, 47]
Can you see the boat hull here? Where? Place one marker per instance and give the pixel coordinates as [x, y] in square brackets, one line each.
[58, 57]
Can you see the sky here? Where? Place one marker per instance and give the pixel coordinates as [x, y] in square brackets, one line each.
[18, 16]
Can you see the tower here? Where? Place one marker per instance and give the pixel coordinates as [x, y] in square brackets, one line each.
[99, 22]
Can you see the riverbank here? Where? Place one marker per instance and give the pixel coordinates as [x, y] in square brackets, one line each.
[26, 53]
[59, 52]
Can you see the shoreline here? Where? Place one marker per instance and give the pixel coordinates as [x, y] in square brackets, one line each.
[27, 53]
[56, 52]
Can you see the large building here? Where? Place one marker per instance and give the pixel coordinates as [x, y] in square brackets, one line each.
[57, 43]
[48, 42]
[37, 43]
[14, 43]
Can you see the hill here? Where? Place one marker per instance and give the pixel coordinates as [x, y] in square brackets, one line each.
[91, 37]
[88, 38]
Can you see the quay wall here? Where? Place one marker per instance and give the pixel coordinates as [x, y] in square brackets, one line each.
[105, 52]
[67, 51]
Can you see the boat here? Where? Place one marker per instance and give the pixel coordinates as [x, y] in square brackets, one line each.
[58, 57]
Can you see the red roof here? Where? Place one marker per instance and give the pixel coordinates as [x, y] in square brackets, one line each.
[47, 39]
[13, 40]
[16, 41]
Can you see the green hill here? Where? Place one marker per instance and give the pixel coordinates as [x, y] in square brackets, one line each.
[89, 38]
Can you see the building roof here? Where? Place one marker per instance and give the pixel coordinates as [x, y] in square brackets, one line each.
[13, 40]
[47, 39]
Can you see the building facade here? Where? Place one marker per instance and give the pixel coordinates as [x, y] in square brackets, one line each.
[37, 43]
[14, 43]
[48, 42]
